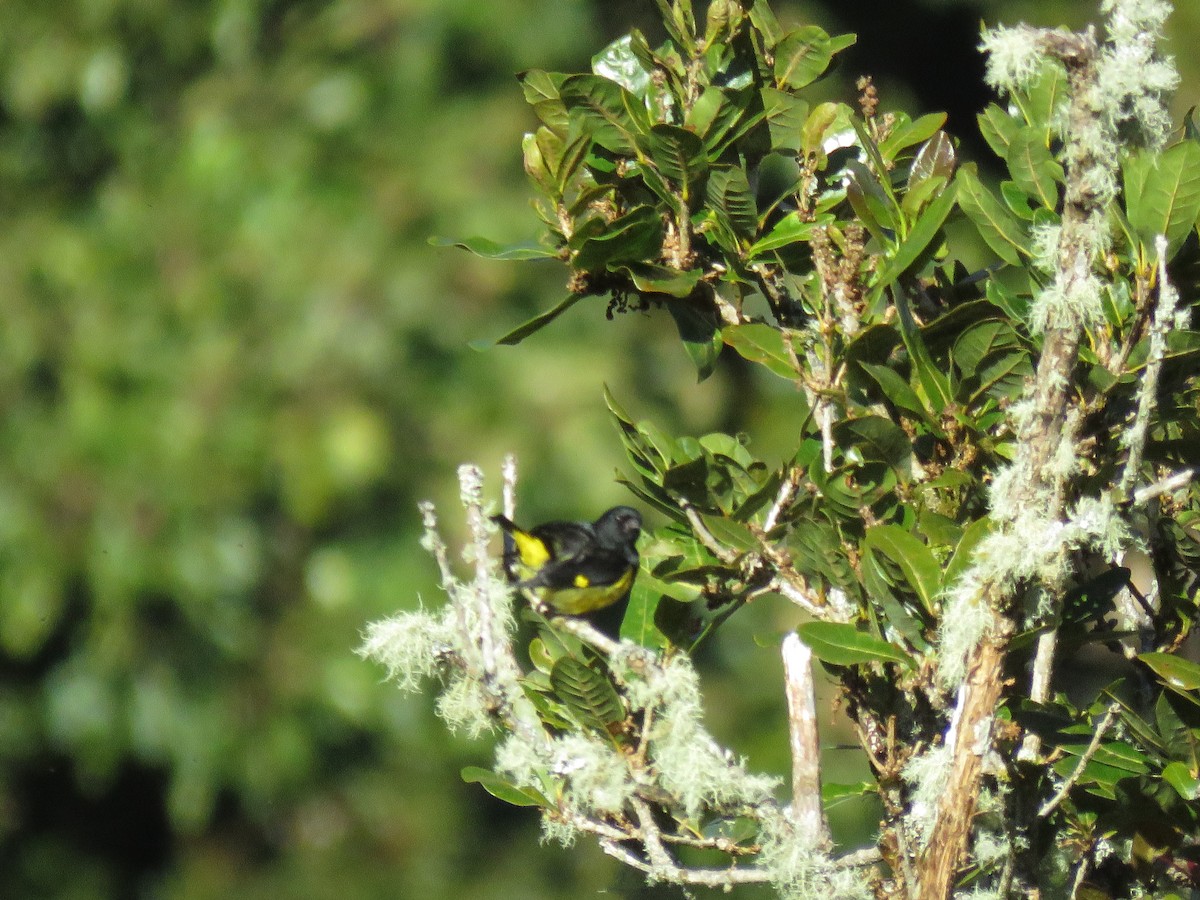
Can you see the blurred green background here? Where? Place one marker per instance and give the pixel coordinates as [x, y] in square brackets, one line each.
[231, 364]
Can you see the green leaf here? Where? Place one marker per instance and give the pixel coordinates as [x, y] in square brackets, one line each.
[763, 19]
[491, 250]
[537, 323]
[790, 230]
[634, 237]
[1184, 779]
[896, 612]
[932, 381]
[841, 644]
[1163, 197]
[920, 569]
[700, 335]
[824, 118]
[605, 111]
[1175, 672]
[655, 279]
[964, 553]
[907, 134]
[587, 692]
[761, 344]
[932, 167]
[876, 439]
[875, 207]
[541, 92]
[638, 624]
[618, 62]
[998, 128]
[1043, 99]
[895, 388]
[678, 154]
[913, 247]
[729, 195]
[980, 341]
[785, 114]
[996, 225]
[802, 56]
[503, 790]
[1034, 168]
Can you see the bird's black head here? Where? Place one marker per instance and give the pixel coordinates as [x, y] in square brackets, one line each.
[618, 527]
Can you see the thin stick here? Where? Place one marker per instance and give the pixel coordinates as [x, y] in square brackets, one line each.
[1052, 804]
[807, 811]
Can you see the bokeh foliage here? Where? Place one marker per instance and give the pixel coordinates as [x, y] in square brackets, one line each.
[230, 364]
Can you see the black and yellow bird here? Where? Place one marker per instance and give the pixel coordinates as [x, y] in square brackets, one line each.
[574, 568]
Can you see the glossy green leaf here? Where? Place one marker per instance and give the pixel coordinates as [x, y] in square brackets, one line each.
[1045, 97]
[1162, 196]
[503, 790]
[700, 335]
[841, 644]
[634, 237]
[915, 560]
[729, 195]
[678, 154]
[907, 134]
[605, 111]
[897, 614]
[1175, 671]
[876, 208]
[802, 56]
[763, 344]
[919, 238]
[491, 250]
[876, 439]
[786, 114]
[537, 323]
[1003, 233]
[998, 128]
[1034, 168]
[1183, 778]
[655, 279]
[587, 692]
[638, 623]
[541, 92]
[790, 230]
[620, 63]
[896, 388]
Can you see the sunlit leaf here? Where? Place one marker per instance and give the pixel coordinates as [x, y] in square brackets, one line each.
[587, 692]
[608, 113]
[678, 154]
[503, 790]
[841, 644]
[998, 128]
[1163, 196]
[729, 194]
[920, 569]
[1175, 671]
[541, 92]
[1034, 168]
[491, 250]
[761, 344]
[802, 56]
[996, 224]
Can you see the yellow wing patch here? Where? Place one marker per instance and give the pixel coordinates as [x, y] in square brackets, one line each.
[534, 553]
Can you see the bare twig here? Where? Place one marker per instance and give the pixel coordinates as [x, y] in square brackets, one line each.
[1160, 325]
[508, 472]
[787, 491]
[1039, 687]
[1106, 723]
[807, 811]
[1165, 485]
